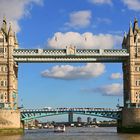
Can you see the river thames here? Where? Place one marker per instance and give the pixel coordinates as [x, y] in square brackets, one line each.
[102, 133]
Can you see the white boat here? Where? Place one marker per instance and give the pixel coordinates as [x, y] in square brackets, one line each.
[95, 126]
[59, 128]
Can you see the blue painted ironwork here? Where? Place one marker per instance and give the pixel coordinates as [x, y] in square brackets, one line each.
[29, 114]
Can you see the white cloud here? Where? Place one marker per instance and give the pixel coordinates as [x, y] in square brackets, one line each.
[85, 40]
[68, 72]
[116, 76]
[79, 19]
[14, 10]
[132, 4]
[104, 20]
[114, 89]
[101, 2]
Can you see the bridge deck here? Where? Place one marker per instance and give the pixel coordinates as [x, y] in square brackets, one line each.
[100, 112]
[65, 55]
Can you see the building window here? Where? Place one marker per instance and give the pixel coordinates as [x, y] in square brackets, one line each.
[5, 50]
[3, 68]
[137, 69]
[1, 39]
[1, 96]
[138, 50]
[1, 50]
[138, 82]
[3, 83]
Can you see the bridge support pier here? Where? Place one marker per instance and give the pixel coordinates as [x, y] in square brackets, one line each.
[70, 117]
[10, 123]
[130, 121]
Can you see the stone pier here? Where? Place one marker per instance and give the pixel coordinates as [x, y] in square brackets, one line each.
[10, 123]
[130, 122]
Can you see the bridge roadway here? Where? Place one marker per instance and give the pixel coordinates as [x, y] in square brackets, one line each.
[29, 114]
[70, 54]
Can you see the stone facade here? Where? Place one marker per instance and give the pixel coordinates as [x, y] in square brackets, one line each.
[8, 68]
[130, 115]
[10, 119]
[130, 121]
[10, 122]
[131, 68]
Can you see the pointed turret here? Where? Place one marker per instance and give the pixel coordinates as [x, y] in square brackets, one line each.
[124, 40]
[136, 26]
[10, 32]
[130, 33]
[16, 41]
[4, 26]
[11, 38]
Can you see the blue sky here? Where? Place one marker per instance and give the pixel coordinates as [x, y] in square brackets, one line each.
[55, 24]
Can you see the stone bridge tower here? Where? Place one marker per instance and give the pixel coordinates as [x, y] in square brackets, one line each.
[131, 69]
[8, 68]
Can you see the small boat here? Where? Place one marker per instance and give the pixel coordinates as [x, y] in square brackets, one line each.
[59, 128]
[95, 126]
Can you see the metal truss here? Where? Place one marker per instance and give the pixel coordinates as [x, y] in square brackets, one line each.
[30, 114]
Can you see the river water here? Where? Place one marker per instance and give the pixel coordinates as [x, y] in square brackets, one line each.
[101, 133]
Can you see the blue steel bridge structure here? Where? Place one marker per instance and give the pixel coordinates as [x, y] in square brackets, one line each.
[31, 114]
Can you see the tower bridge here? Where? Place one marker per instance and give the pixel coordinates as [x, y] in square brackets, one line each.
[11, 56]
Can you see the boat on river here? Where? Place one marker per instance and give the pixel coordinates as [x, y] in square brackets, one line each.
[61, 128]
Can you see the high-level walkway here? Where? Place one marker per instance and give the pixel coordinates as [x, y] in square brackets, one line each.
[70, 54]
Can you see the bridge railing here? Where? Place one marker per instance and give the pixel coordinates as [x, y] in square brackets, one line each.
[69, 109]
[115, 51]
[62, 52]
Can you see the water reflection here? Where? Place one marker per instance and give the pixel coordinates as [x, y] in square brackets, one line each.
[74, 134]
[130, 136]
[11, 137]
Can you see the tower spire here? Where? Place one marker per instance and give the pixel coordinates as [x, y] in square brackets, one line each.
[124, 39]
[11, 39]
[16, 41]
[4, 26]
[136, 26]
[130, 30]
[10, 32]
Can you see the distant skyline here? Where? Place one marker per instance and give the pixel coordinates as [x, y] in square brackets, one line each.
[57, 24]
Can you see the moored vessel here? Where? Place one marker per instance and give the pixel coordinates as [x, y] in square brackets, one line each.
[59, 128]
